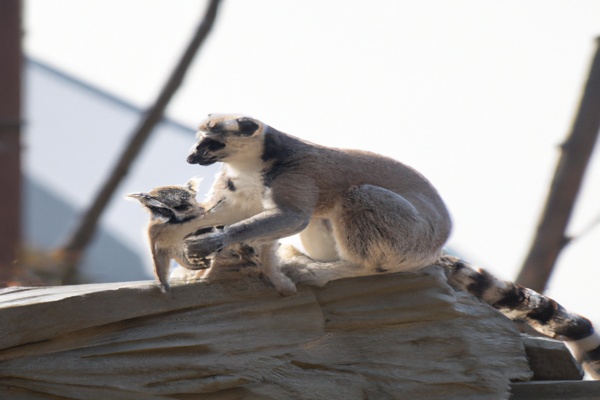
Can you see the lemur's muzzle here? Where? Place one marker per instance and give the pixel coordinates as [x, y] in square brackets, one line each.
[203, 152]
[193, 156]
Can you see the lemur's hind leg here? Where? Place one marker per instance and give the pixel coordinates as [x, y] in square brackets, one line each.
[304, 269]
[520, 303]
[382, 231]
[270, 266]
[318, 241]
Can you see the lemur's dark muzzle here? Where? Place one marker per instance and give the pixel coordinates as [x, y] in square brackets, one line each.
[203, 152]
[193, 157]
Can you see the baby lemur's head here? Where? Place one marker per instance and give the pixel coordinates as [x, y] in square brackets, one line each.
[171, 204]
[227, 138]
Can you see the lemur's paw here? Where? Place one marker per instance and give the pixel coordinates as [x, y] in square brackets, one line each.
[165, 288]
[284, 285]
[202, 246]
[303, 274]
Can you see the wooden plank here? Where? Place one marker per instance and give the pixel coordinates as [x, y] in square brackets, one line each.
[556, 390]
[550, 360]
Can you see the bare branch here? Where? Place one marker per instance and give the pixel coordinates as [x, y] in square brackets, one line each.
[72, 251]
[550, 237]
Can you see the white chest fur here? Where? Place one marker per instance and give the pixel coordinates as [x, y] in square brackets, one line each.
[246, 189]
[239, 194]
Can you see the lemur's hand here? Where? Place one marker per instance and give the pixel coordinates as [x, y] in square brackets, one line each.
[201, 246]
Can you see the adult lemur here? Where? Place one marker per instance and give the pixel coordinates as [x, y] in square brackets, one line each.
[358, 210]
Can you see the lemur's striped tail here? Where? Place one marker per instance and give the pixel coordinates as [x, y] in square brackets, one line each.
[540, 312]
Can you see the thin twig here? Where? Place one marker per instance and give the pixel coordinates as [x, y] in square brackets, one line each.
[587, 229]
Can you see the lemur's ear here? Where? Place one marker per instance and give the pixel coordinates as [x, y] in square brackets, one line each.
[247, 126]
[194, 183]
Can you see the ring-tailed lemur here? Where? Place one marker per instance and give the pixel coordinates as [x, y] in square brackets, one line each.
[175, 214]
[367, 208]
[358, 210]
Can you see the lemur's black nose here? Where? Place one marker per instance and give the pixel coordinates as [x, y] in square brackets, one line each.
[202, 152]
[193, 157]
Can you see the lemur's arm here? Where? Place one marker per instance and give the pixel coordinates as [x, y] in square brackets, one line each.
[268, 225]
[288, 210]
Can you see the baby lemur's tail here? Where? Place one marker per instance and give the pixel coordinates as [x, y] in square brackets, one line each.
[540, 312]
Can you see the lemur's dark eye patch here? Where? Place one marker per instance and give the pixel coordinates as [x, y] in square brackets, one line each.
[182, 207]
[162, 211]
[246, 126]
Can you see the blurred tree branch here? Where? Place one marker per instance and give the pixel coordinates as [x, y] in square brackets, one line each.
[576, 151]
[71, 253]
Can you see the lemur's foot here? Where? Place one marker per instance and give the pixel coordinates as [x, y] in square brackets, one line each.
[299, 272]
[245, 253]
[283, 284]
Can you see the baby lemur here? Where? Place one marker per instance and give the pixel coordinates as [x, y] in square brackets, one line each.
[357, 210]
[175, 214]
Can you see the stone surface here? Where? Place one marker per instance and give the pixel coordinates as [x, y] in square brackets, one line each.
[376, 337]
[550, 360]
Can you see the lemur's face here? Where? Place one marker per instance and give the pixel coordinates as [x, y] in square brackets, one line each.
[171, 204]
[226, 137]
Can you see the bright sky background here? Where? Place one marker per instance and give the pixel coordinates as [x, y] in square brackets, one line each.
[475, 94]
